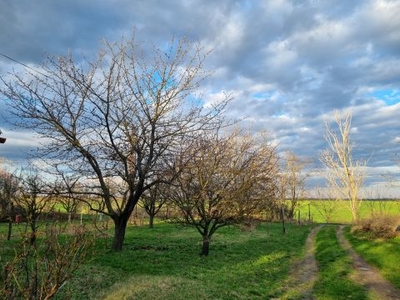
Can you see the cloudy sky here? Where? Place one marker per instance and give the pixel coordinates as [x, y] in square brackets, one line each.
[288, 64]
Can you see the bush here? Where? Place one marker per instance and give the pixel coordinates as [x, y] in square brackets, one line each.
[378, 226]
[39, 270]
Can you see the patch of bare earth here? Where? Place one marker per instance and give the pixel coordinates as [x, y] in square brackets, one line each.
[367, 275]
[304, 272]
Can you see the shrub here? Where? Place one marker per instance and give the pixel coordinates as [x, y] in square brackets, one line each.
[39, 270]
[378, 226]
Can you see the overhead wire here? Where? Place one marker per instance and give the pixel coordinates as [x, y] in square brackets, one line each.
[22, 64]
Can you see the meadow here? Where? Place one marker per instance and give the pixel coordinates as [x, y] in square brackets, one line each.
[329, 211]
[244, 263]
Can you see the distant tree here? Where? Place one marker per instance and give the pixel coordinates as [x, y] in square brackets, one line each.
[345, 176]
[292, 180]
[153, 200]
[34, 196]
[8, 188]
[325, 207]
[65, 192]
[226, 181]
[119, 119]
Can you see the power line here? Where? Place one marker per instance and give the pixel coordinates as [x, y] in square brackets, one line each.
[14, 60]
[22, 64]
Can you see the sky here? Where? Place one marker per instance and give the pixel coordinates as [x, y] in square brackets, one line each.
[288, 64]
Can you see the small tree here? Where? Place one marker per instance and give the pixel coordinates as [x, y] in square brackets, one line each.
[226, 181]
[8, 188]
[153, 200]
[65, 191]
[34, 197]
[345, 176]
[292, 182]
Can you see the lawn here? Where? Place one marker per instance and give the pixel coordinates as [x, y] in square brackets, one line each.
[164, 263]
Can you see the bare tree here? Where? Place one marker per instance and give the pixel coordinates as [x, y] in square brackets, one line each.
[345, 176]
[227, 180]
[153, 200]
[34, 197]
[292, 180]
[8, 188]
[119, 118]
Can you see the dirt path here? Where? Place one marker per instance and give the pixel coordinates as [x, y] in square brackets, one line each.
[367, 275]
[305, 272]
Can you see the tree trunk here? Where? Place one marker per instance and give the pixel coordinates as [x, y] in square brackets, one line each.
[151, 221]
[206, 246]
[120, 223]
[9, 229]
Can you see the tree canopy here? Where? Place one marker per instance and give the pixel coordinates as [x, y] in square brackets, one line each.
[116, 122]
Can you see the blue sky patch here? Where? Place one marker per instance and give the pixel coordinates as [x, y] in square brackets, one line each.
[389, 96]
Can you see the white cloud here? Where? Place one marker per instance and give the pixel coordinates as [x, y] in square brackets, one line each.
[289, 64]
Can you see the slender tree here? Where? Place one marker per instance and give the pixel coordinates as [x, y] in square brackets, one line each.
[345, 176]
[153, 200]
[117, 119]
[292, 179]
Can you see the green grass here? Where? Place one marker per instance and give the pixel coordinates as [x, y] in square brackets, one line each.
[334, 269]
[341, 212]
[383, 254]
[164, 263]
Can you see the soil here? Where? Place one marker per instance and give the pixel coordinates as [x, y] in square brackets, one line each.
[305, 272]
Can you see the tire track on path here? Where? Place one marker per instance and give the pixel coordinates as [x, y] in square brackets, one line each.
[304, 272]
[367, 275]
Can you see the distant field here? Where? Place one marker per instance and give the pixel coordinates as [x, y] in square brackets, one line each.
[320, 210]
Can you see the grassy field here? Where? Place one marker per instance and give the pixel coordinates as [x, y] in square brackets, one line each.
[323, 211]
[164, 263]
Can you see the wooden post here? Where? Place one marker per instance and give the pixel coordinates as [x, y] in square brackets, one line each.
[299, 217]
[283, 219]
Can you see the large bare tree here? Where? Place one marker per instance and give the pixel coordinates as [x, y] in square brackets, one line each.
[345, 176]
[117, 119]
[228, 180]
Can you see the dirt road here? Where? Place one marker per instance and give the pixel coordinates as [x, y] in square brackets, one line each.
[305, 272]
